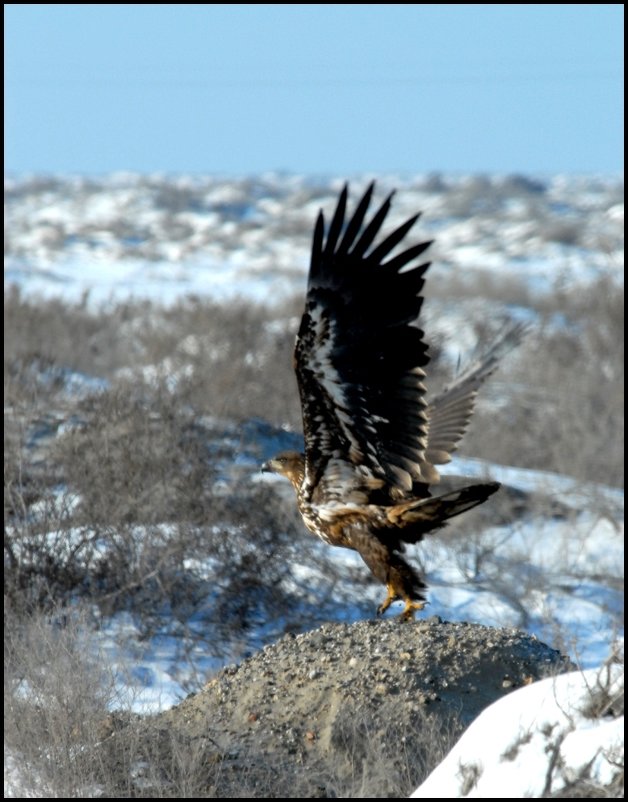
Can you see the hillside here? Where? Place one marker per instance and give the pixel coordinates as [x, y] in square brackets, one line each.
[361, 709]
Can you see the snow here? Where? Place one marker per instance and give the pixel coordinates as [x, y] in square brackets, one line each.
[534, 742]
[122, 237]
[147, 675]
[161, 237]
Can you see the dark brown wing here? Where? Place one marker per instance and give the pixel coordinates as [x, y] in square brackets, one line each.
[360, 362]
[449, 413]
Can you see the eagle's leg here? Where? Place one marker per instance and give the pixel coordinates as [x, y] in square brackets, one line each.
[387, 565]
[390, 598]
[405, 584]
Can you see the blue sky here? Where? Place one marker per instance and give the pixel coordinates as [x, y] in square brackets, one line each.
[313, 88]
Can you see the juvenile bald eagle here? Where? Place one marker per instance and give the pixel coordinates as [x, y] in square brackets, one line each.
[371, 438]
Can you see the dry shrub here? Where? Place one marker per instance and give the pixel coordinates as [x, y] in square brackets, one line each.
[61, 738]
[116, 504]
[56, 697]
[71, 336]
[372, 759]
[143, 758]
[136, 456]
[137, 510]
[231, 360]
[564, 410]
[606, 700]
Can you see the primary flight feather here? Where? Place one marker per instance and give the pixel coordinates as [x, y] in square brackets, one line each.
[371, 440]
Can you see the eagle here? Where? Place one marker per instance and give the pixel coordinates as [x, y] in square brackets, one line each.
[367, 480]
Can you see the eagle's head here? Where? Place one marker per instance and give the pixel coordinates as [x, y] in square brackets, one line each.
[290, 464]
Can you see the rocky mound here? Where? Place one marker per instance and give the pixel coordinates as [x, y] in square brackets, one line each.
[365, 709]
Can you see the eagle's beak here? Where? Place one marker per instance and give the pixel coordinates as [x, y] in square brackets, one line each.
[265, 467]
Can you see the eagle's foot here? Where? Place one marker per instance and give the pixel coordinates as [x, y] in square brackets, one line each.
[410, 609]
[387, 601]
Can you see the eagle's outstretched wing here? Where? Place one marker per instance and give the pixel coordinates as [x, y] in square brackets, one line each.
[360, 359]
[450, 411]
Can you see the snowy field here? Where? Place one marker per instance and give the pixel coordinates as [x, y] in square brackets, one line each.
[160, 238]
[164, 238]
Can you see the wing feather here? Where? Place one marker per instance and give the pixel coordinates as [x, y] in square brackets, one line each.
[392, 240]
[402, 259]
[360, 361]
[355, 224]
[336, 225]
[317, 244]
[372, 229]
[450, 412]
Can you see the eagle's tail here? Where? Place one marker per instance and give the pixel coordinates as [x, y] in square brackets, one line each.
[417, 517]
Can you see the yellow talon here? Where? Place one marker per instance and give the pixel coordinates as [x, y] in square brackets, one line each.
[410, 609]
[387, 601]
